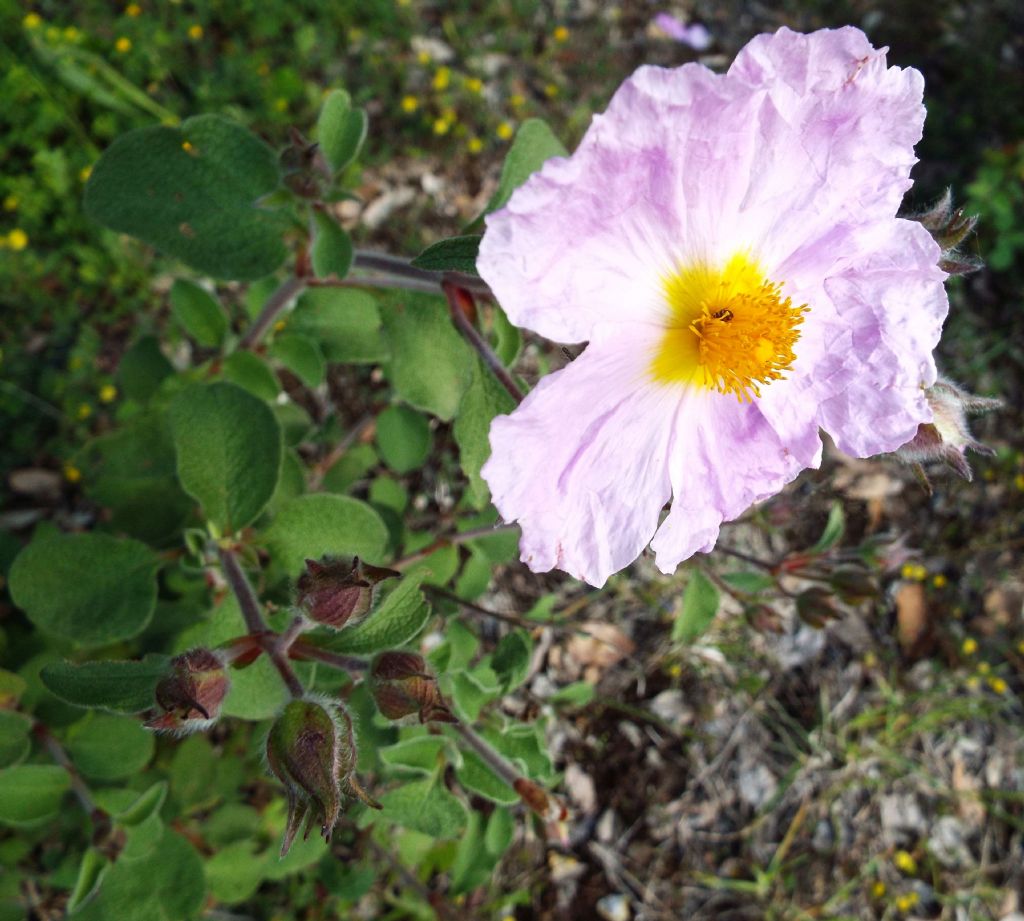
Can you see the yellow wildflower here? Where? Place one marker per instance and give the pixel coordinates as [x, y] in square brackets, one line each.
[973, 683]
[442, 78]
[505, 131]
[561, 34]
[517, 100]
[71, 34]
[1020, 647]
[279, 325]
[442, 126]
[195, 32]
[11, 203]
[939, 580]
[474, 84]
[123, 45]
[71, 473]
[984, 668]
[905, 862]
[133, 10]
[998, 684]
[551, 90]
[878, 889]
[108, 393]
[32, 21]
[423, 58]
[410, 104]
[905, 902]
[474, 145]
[84, 411]
[281, 104]
[969, 646]
[17, 239]
[84, 173]
[1018, 481]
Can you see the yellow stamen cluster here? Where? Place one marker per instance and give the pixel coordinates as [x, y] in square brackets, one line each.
[729, 329]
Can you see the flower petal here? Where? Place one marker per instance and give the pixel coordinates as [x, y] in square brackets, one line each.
[582, 464]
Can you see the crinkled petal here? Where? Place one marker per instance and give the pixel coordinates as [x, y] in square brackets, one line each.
[725, 457]
[582, 464]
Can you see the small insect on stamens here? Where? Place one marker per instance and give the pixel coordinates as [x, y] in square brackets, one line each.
[724, 314]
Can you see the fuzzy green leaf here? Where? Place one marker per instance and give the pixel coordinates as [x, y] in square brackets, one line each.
[341, 129]
[302, 356]
[345, 323]
[332, 247]
[698, 609]
[456, 254]
[119, 686]
[484, 399]
[534, 144]
[425, 806]
[198, 312]
[106, 747]
[31, 793]
[403, 437]
[400, 617]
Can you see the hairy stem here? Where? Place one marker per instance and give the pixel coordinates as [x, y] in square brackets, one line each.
[460, 304]
[451, 540]
[302, 649]
[254, 622]
[277, 302]
[78, 787]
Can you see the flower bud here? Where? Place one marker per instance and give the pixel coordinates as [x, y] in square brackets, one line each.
[947, 437]
[401, 686]
[311, 749]
[853, 583]
[191, 694]
[949, 227]
[333, 592]
[814, 607]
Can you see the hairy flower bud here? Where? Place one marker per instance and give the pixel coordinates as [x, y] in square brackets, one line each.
[335, 591]
[947, 437]
[949, 227]
[311, 749]
[191, 694]
[401, 686]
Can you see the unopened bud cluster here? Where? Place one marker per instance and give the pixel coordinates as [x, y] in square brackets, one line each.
[402, 686]
[192, 692]
[337, 592]
[949, 227]
[947, 437]
[311, 749]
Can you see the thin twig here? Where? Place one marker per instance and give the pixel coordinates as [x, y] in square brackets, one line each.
[494, 761]
[254, 623]
[451, 540]
[513, 619]
[277, 302]
[460, 303]
[396, 265]
[303, 649]
[78, 787]
[377, 281]
[336, 453]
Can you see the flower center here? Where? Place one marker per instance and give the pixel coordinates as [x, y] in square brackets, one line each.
[729, 329]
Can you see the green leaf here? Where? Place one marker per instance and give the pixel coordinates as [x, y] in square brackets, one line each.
[534, 144]
[400, 617]
[14, 737]
[456, 254]
[341, 129]
[302, 356]
[90, 588]
[312, 526]
[523, 744]
[511, 659]
[834, 529]
[472, 690]
[234, 873]
[431, 366]
[192, 192]
[12, 686]
[31, 793]
[403, 437]
[345, 323]
[142, 369]
[229, 449]
[749, 582]
[472, 863]
[501, 828]
[105, 747]
[425, 806]
[144, 806]
[698, 609]
[252, 373]
[477, 777]
[166, 883]
[89, 873]
[133, 472]
[123, 687]
[484, 399]
[577, 694]
[508, 340]
[198, 312]
[419, 755]
[332, 247]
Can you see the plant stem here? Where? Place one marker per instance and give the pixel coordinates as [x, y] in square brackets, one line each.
[302, 649]
[376, 281]
[336, 453]
[452, 540]
[277, 302]
[396, 265]
[494, 761]
[460, 302]
[78, 787]
[254, 623]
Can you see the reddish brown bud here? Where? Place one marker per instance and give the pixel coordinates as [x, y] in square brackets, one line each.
[333, 592]
[311, 749]
[853, 583]
[402, 686]
[549, 808]
[191, 694]
[814, 607]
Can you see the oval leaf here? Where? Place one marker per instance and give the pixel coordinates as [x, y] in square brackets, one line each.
[332, 247]
[123, 687]
[400, 617]
[31, 793]
[89, 588]
[456, 254]
[106, 747]
[340, 129]
[229, 449]
[198, 312]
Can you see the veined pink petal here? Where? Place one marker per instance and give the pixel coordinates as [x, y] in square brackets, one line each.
[582, 464]
[796, 161]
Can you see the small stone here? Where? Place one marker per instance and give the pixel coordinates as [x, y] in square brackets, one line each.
[902, 819]
[948, 843]
[608, 827]
[757, 785]
[670, 706]
[824, 839]
[580, 787]
[614, 908]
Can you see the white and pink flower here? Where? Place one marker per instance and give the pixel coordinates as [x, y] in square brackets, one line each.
[728, 246]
